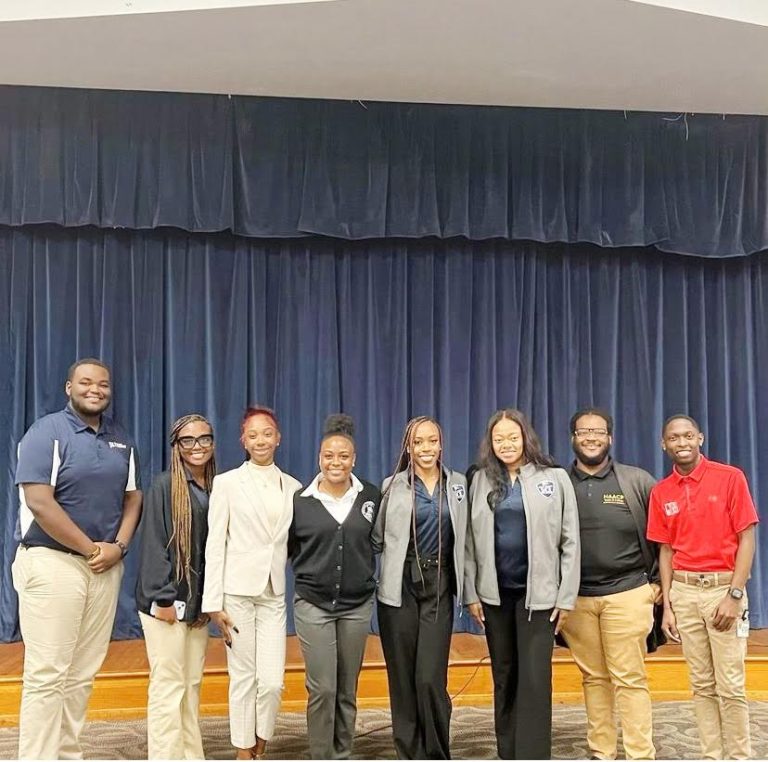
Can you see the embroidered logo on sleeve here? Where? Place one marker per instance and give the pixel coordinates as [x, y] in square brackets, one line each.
[547, 489]
[671, 508]
[367, 509]
[458, 490]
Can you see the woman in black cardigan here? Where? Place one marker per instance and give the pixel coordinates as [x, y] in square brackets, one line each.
[333, 566]
[169, 590]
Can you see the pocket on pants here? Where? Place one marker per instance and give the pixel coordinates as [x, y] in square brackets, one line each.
[18, 574]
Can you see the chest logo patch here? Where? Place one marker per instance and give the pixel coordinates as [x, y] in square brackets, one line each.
[614, 498]
[671, 508]
[546, 489]
[119, 445]
[367, 509]
[458, 490]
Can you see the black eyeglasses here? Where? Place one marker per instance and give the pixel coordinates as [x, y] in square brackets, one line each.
[584, 433]
[188, 443]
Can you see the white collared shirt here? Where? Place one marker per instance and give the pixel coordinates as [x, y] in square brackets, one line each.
[338, 507]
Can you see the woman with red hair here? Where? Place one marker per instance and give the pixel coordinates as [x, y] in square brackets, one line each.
[250, 514]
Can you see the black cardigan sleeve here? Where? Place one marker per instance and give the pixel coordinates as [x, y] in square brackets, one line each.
[156, 579]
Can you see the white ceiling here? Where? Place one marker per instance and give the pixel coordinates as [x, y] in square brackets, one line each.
[660, 55]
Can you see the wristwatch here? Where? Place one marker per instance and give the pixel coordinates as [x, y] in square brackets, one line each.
[124, 549]
[736, 593]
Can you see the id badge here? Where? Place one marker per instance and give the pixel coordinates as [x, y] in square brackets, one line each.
[742, 625]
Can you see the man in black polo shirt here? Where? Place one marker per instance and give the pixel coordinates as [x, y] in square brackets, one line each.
[607, 630]
[78, 479]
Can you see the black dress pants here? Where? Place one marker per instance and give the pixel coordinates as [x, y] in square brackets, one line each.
[521, 665]
[416, 639]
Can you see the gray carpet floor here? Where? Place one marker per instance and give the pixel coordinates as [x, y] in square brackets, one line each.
[471, 735]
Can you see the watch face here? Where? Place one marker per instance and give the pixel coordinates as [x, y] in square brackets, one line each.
[736, 593]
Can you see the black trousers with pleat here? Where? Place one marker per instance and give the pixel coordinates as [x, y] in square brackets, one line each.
[520, 644]
[416, 639]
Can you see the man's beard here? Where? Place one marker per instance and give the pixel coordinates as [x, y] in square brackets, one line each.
[592, 460]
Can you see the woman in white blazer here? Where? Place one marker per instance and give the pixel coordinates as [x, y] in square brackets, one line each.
[250, 514]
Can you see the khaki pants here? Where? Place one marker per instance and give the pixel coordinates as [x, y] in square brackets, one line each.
[66, 613]
[176, 655]
[606, 635]
[716, 665]
[256, 664]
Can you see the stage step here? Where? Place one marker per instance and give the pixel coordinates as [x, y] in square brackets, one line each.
[120, 690]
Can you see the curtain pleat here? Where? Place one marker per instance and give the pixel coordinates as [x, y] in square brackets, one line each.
[287, 168]
[382, 330]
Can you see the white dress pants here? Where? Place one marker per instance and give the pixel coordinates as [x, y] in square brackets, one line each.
[256, 663]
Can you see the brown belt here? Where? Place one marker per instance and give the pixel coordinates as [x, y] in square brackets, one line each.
[703, 579]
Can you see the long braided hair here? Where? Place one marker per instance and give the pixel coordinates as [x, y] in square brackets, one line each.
[181, 507]
[404, 463]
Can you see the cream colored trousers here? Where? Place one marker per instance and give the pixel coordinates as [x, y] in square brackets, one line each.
[606, 635]
[256, 664]
[716, 666]
[176, 654]
[66, 613]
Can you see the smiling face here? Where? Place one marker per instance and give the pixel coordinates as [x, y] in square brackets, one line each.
[199, 454]
[337, 459]
[89, 390]
[260, 438]
[425, 447]
[682, 441]
[508, 444]
[591, 441]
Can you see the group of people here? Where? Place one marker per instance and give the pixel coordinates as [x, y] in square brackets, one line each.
[530, 550]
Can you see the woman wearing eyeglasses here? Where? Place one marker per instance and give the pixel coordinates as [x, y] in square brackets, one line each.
[521, 576]
[170, 587]
[246, 552]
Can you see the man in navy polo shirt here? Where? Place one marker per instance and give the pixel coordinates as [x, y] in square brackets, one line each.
[78, 480]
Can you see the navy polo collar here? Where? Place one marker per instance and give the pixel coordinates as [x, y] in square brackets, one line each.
[78, 424]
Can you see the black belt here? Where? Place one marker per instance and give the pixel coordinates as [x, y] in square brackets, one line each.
[431, 563]
[48, 547]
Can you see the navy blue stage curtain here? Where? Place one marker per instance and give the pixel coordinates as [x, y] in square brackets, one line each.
[270, 167]
[382, 330]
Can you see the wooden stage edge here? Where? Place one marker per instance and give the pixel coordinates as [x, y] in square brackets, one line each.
[120, 690]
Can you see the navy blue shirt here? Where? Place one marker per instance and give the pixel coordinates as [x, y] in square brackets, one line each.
[427, 525]
[511, 539]
[89, 471]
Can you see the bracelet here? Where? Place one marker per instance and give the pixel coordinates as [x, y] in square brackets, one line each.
[123, 547]
[94, 553]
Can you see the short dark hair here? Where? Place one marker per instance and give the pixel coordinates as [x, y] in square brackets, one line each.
[598, 411]
[339, 425]
[677, 417]
[86, 361]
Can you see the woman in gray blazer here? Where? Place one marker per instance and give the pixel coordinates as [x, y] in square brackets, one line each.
[521, 576]
[420, 532]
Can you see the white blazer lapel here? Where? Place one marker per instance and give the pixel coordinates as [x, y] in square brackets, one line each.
[286, 516]
[254, 499]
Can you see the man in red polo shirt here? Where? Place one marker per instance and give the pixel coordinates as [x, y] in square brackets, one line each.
[703, 517]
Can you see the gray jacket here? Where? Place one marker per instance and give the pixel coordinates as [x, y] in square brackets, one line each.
[552, 523]
[392, 532]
